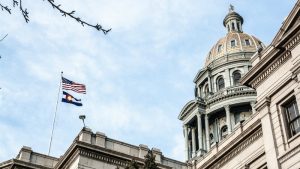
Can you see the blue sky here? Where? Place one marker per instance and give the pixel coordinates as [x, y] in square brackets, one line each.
[138, 77]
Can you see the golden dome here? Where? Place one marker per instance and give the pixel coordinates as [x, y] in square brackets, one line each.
[233, 43]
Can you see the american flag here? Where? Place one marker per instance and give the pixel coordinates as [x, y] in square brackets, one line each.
[76, 87]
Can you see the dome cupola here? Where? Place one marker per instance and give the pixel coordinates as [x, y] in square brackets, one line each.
[233, 21]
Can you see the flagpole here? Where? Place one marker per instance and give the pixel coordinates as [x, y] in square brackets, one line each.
[54, 119]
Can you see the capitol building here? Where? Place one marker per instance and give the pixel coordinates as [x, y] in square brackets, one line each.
[244, 115]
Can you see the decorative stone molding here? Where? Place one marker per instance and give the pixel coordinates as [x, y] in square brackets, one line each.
[236, 150]
[271, 68]
[293, 43]
[105, 158]
[229, 93]
[289, 154]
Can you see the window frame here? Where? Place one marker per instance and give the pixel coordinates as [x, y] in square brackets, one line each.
[247, 40]
[218, 84]
[236, 83]
[233, 41]
[219, 48]
[287, 137]
[290, 122]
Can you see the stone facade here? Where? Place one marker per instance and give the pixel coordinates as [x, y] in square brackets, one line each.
[91, 150]
[275, 75]
[245, 113]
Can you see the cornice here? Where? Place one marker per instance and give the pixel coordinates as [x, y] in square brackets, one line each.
[191, 105]
[293, 42]
[230, 93]
[272, 67]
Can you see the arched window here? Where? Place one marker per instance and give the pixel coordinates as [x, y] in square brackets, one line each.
[219, 48]
[232, 25]
[211, 136]
[220, 83]
[232, 43]
[236, 77]
[206, 90]
[224, 131]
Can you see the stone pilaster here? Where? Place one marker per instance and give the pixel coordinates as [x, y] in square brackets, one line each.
[268, 134]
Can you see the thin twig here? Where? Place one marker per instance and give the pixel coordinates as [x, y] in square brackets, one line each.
[57, 7]
[5, 8]
[24, 12]
[70, 14]
[3, 38]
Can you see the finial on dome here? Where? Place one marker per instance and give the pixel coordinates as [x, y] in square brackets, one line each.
[233, 21]
[231, 8]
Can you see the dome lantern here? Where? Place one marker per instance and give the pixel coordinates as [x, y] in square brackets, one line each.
[233, 21]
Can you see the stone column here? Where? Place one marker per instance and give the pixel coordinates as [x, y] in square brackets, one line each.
[207, 133]
[199, 131]
[186, 141]
[193, 142]
[253, 107]
[209, 83]
[228, 121]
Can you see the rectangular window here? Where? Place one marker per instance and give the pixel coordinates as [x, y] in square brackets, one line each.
[232, 43]
[292, 117]
[247, 42]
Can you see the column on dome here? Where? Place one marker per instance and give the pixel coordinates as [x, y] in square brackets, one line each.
[193, 142]
[253, 107]
[199, 123]
[228, 121]
[207, 133]
[209, 83]
[185, 127]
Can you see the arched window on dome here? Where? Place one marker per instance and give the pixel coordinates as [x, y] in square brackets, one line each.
[224, 131]
[220, 83]
[211, 136]
[236, 75]
[206, 90]
[238, 26]
[247, 42]
[220, 48]
[232, 25]
[233, 43]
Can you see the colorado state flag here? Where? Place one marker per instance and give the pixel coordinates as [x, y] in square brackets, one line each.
[67, 98]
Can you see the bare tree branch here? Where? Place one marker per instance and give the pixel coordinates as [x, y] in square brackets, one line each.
[3, 38]
[57, 7]
[5, 8]
[70, 14]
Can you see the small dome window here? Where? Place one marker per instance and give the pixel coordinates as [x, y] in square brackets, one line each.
[232, 25]
[220, 83]
[236, 77]
[247, 42]
[220, 48]
[233, 43]
[224, 131]
[211, 136]
[206, 90]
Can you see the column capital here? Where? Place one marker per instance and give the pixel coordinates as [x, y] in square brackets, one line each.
[227, 107]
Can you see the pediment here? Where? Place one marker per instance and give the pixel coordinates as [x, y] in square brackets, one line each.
[291, 23]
